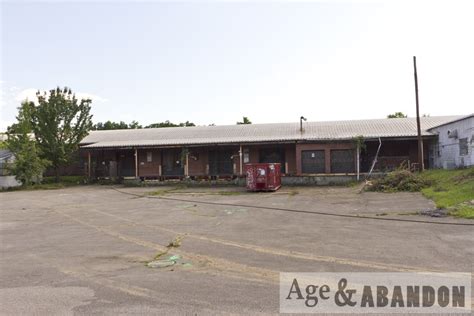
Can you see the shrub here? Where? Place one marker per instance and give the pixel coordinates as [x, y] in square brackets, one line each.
[399, 180]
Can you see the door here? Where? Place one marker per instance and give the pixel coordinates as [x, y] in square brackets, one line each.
[342, 161]
[313, 161]
[220, 162]
[171, 162]
[127, 164]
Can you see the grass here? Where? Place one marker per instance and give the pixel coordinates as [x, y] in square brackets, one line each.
[167, 190]
[66, 180]
[230, 192]
[175, 243]
[179, 187]
[49, 183]
[452, 190]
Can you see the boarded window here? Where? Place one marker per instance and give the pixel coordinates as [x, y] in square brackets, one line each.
[463, 148]
[313, 161]
[342, 161]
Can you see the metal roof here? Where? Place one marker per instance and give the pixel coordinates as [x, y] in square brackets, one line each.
[251, 133]
[459, 118]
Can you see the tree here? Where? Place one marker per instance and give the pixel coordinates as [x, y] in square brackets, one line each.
[397, 115]
[167, 123]
[186, 124]
[59, 122]
[134, 125]
[245, 120]
[28, 164]
[109, 125]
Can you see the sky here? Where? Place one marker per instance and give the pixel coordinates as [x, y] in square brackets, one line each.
[212, 62]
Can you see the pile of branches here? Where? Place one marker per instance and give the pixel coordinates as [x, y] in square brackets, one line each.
[399, 180]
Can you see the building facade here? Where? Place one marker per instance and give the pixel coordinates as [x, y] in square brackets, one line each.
[454, 144]
[208, 152]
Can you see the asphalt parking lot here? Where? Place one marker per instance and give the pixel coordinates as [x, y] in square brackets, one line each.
[84, 250]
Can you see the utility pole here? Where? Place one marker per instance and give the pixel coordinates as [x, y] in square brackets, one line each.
[418, 125]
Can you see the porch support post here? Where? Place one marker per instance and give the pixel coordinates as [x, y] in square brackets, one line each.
[136, 163]
[89, 164]
[186, 168]
[358, 162]
[240, 160]
[160, 166]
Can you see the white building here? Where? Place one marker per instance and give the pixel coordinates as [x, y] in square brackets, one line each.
[454, 148]
[7, 180]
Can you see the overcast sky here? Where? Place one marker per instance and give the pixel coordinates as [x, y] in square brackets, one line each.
[214, 62]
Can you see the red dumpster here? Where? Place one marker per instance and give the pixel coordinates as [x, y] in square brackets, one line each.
[263, 176]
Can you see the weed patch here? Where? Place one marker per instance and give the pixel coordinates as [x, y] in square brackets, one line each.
[229, 193]
[399, 181]
[451, 190]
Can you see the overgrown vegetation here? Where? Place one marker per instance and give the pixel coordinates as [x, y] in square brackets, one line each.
[452, 190]
[66, 180]
[49, 183]
[164, 191]
[400, 180]
[175, 243]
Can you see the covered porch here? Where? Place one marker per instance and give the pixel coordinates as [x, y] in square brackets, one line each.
[228, 160]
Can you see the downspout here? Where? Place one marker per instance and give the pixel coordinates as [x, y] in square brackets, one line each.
[136, 163]
[240, 160]
[358, 163]
[186, 168]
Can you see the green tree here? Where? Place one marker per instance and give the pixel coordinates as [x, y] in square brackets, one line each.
[187, 124]
[167, 123]
[397, 115]
[134, 125]
[59, 122]
[109, 125]
[28, 165]
[245, 120]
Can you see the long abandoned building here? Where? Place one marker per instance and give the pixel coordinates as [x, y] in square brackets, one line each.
[306, 149]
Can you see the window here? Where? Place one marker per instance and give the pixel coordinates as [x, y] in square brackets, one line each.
[463, 148]
[313, 161]
[246, 155]
[149, 156]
